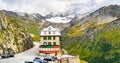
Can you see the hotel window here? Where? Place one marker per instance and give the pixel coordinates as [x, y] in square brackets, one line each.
[54, 32]
[49, 32]
[44, 32]
[49, 38]
[49, 43]
[53, 38]
[54, 43]
[45, 43]
[45, 38]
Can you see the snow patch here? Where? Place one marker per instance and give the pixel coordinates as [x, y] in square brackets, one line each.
[21, 13]
[59, 20]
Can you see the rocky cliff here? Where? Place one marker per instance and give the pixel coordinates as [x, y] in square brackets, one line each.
[96, 22]
[14, 38]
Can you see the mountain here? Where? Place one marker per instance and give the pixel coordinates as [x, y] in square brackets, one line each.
[96, 36]
[59, 17]
[77, 18]
[35, 22]
[14, 38]
[63, 17]
[32, 22]
[62, 21]
[99, 17]
[25, 16]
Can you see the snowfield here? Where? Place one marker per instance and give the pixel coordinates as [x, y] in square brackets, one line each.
[59, 20]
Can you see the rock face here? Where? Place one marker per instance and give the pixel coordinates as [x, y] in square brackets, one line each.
[102, 20]
[24, 16]
[14, 38]
[96, 37]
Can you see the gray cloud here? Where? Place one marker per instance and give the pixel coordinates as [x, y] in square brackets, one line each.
[46, 6]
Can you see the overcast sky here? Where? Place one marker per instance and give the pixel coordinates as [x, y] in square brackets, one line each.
[46, 6]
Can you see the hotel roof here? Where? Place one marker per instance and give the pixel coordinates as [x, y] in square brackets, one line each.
[50, 31]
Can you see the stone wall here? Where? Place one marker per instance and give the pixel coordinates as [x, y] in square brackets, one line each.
[74, 59]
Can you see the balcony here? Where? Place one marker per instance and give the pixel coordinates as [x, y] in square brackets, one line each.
[49, 46]
[48, 51]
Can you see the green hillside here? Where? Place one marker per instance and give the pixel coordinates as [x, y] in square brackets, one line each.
[104, 48]
[96, 37]
[32, 27]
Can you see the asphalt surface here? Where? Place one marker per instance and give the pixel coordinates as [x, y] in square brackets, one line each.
[27, 55]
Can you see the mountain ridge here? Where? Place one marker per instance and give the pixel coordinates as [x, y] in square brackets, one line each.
[92, 40]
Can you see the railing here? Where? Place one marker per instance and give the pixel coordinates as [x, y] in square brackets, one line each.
[49, 50]
[49, 46]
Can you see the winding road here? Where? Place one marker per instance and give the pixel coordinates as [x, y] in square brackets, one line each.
[27, 55]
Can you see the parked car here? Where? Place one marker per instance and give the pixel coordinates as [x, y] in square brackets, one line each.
[28, 62]
[38, 60]
[50, 58]
[10, 55]
[54, 57]
[6, 55]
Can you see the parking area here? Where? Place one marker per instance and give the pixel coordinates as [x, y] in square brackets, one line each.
[28, 55]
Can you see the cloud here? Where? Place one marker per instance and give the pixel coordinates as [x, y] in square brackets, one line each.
[34, 6]
[46, 6]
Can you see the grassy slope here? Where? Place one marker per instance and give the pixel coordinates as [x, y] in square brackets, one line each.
[91, 50]
[31, 26]
[113, 36]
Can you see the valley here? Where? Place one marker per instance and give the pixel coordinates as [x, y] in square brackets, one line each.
[94, 36]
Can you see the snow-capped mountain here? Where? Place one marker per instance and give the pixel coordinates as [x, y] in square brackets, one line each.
[25, 16]
[62, 18]
[58, 18]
